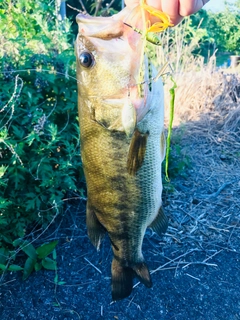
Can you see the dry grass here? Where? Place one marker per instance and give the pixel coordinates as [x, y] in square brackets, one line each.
[208, 94]
[204, 91]
[203, 203]
[204, 207]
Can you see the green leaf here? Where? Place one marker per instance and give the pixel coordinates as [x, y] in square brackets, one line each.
[17, 242]
[37, 266]
[30, 251]
[26, 247]
[31, 137]
[3, 205]
[60, 283]
[18, 131]
[55, 304]
[2, 170]
[28, 267]
[54, 254]
[4, 253]
[17, 174]
[56, 279]
[3, 134]
[3, 267]
[44, 250]
[49, 264]
[14, 267]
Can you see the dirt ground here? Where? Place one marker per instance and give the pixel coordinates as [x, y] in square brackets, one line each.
[195, 267]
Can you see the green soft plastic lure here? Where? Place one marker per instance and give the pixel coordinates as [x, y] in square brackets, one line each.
[172, 101]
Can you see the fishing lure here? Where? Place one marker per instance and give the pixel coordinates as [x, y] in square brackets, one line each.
[158, 26]
[150, 36]
[172, 102]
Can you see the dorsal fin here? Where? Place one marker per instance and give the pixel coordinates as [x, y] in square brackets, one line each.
[136, 151]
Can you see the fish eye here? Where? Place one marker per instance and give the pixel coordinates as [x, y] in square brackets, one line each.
[86, 59]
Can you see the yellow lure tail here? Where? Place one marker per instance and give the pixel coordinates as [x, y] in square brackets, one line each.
[158, 26]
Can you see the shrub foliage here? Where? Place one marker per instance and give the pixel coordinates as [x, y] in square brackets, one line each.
[39, 135]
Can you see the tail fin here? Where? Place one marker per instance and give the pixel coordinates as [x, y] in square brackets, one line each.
[142, 272]
[122, 278]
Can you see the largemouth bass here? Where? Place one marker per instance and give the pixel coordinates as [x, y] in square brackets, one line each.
[122, 142]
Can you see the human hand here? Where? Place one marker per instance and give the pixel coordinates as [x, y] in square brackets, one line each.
[176, 9]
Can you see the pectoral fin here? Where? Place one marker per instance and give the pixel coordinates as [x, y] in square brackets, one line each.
[129, 117]
[160, 224]
[136, 151]
[96, 231]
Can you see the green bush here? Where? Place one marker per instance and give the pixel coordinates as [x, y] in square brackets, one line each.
[39, 135]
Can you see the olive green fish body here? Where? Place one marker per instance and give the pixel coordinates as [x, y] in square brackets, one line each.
[121, 161]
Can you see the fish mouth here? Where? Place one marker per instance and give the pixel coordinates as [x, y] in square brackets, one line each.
[100, 27]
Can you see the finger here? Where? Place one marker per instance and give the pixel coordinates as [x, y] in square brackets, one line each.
[171, 8]
[131, 3]
[189, 7]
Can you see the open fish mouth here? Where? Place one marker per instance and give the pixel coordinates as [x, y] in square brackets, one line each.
[100, 27]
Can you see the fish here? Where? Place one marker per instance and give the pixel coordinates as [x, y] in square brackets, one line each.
[122, 142]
